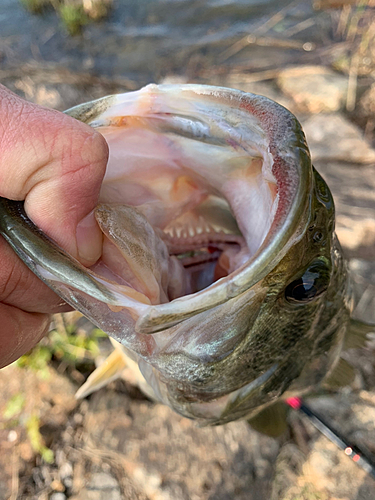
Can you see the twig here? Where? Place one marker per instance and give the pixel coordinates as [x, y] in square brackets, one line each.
[352, 83]
[265, 41]
[297, 28]
[15, 474]
[343, 21]
[259, 76]
[59, 323]
[353, 25]
[263, 28]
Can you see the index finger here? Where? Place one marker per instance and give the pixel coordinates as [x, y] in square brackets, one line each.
[56, 164]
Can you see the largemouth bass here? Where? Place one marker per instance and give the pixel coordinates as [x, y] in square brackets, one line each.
[221, 276]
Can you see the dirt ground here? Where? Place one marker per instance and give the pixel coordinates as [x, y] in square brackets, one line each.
[118, 445]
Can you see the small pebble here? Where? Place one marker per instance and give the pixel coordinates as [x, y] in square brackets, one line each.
[102, 481]
[57, 496]
[12, 436]
[57, 485]
[66, 470]
[78, 418]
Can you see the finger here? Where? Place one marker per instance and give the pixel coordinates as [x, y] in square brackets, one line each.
[21, 288]
[19, 332]
[57, 165]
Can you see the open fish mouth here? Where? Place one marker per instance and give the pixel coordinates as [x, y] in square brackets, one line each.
[219, 176]
[207, 189]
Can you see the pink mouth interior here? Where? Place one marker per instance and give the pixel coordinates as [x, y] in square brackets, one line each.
[205, 202]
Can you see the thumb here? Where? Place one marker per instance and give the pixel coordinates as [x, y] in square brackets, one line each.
[56, 164]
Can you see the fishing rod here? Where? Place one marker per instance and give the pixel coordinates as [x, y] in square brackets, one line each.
[357, 455]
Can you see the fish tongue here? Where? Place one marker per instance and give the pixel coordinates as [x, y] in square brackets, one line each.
[145, 263]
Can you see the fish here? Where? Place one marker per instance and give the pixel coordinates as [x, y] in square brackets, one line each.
[222, 283]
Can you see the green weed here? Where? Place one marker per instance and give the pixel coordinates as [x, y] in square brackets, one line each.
[66, 344]
[73, 17]
[36, 6]
[14, 406]
[74, 14]
[36, 440]
[13, 417]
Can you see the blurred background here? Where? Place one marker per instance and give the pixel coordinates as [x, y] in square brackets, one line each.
[317, 58]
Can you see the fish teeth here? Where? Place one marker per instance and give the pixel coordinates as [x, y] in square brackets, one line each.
[192, 232]
[200, 233]
[169, 232]
[200, 226]
[210, 228]
[219, 230]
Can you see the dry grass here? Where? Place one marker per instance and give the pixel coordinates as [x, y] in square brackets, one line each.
[354, 24]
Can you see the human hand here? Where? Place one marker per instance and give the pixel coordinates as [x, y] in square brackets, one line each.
[56, 164]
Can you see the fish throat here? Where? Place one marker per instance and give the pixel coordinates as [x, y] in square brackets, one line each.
[207, 255]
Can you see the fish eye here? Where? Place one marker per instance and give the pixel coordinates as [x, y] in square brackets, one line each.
[312, 284]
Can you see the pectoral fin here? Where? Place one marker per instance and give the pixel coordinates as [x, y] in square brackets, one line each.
[357, 334]
[342, 375]
[110, 370]
[271, 421]
[117, 365]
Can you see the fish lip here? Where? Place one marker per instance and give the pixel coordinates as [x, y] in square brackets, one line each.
[291, 157]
